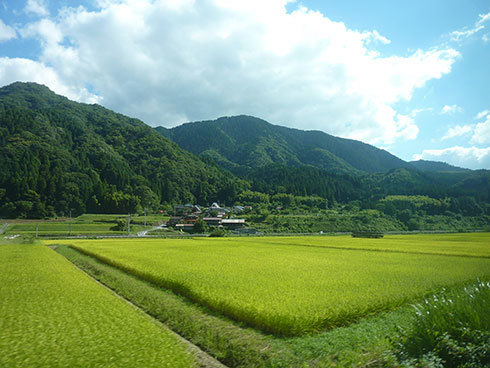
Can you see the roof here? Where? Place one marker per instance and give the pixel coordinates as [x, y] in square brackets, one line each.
[233, 221]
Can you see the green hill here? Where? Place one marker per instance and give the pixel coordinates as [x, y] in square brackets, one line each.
[436, 166]
[246, 141]
[57, 155]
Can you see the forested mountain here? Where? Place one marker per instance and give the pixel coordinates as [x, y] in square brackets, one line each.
[436, 166]
[57, 155]
[245, 141]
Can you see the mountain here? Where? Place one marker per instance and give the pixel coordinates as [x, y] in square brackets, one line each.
[57, 155]
[437, 166]
[245, 141]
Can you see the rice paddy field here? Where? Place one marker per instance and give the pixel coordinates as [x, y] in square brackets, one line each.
[299, 285]
[54, 315]
[61, 229]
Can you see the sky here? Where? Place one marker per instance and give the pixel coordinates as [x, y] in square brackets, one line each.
[410, 77]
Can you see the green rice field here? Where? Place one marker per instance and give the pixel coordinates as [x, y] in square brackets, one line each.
[61, 229]
[54, 315]
[298, 285]
[456, 244]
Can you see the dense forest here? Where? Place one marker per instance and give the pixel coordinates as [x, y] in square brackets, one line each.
[59, 156]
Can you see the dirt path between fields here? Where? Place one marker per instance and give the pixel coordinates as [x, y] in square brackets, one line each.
[3, 228]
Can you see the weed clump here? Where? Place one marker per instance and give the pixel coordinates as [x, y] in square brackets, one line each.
[449, 329]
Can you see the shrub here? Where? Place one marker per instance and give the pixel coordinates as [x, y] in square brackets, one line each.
[451, 327]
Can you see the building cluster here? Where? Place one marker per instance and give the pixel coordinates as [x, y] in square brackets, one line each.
[186, 216]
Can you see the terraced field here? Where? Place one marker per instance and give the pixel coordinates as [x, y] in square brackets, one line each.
[53, 315]
[297, 285]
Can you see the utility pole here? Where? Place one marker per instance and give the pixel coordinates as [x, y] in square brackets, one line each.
[145, 216]
[129, 220]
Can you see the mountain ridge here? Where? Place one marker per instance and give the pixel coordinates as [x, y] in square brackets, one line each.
[252, 142]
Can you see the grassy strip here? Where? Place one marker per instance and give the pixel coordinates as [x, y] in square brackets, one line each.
[360, 344]
[53, 315]
[283, 289]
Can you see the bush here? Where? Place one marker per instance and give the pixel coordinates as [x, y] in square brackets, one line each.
[218, 233]
[452, 328]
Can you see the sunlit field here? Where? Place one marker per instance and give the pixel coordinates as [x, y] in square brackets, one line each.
[297, 285]
[53, 315]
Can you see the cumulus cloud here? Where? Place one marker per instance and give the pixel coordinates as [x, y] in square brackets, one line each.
[167, 62]
[469, 157]
[451, 109]
[6, 32]
[481, 133]
[25, 70]
[482, 114]
[457, 131]
[37, 7]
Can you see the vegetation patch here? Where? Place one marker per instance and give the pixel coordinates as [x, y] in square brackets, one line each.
[237, 346]
[284, 289]
[53, 315]
[449, 329]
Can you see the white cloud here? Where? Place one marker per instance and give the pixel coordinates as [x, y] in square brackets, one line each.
[482, 133]
[461, 35]
[486, 37]
[37, 7]
[168, 62]
[483, 18]
[374, 36]
[458, 36]
[6, 32]
[470, 157]
[25, 70]
[482, 114]
[451, 109]
[416, 112]
[457, 131]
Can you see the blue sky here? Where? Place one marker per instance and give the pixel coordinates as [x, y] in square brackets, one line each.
[410, 77]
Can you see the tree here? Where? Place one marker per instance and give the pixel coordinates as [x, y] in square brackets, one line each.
[200, 226]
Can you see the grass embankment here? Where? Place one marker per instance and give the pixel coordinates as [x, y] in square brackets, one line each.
[53, 315]
[234, 344]
[284, 289]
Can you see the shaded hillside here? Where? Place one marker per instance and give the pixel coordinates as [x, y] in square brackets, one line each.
[57, 155]
[252, 142]
[424, 165]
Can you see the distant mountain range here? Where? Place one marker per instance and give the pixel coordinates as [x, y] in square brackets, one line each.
[58, 156]
[246, 141]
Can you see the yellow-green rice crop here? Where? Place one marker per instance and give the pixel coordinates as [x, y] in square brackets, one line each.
[53, 315]
[281, 288]
[458, 244]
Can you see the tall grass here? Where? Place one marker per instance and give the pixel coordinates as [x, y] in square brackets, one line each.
[451, 328]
